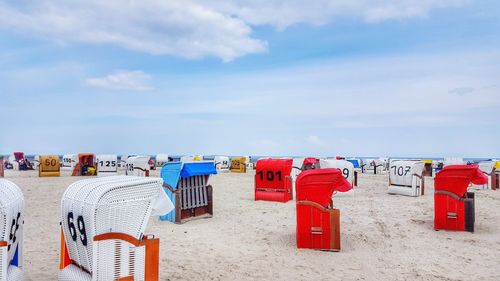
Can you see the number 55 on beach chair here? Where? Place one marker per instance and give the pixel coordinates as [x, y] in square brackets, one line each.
[103, 222]
[318, 223]
[273, 181]
[406, 177]
[186, 184]
[11, 231]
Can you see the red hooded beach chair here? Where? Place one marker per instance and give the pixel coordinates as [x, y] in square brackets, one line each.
[273, 181]
[453, 205]
[318, 223]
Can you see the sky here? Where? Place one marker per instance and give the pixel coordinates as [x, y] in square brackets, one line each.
[414, 78]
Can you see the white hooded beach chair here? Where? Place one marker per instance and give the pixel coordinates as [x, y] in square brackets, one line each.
[138, 166]
[406, 177]
[161, 159]
[222, 163]
[69, 161]
[107, 165]
[103, 222]
[488, 168]
[347, 169]
[11, 231]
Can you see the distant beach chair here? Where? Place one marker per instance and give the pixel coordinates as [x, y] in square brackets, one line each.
[490, 170]
[453, 161]
[11, 231]
[310, 163]
[345, 167]
[161, 159]
[1, 167]
[222, 163]
[406, 177]
[69, 160]
[318, 223]
[373, 166]
[107, 165]
[103, 222]
[186, 184]
[49, 166]
[238, 164]
[273, 181]
[36, 162]
[356, 163]
[20, 162]
[454, 206]
[85, 165]
[428, 167]
[138, 166]
[191, 158]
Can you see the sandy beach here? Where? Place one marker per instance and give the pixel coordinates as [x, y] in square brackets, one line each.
[384, 237]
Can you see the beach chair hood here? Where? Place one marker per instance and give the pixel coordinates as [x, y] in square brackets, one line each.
[319, 185]
[457, 178]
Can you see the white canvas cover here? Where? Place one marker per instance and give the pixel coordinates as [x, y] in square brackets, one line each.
[11, 230]
[15, 164]
[36, 162]
[69, 160]
[120, 204]
[488, 168]
[161, 159]
[191, 158]
[453, 161]
[138, 166]
[222, 163]
[347, 169]
[107, 165]
[405, 177]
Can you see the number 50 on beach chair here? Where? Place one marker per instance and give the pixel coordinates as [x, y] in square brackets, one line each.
[103, 222]
[11, 231]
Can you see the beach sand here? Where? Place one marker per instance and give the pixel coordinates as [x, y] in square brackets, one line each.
[383, 237]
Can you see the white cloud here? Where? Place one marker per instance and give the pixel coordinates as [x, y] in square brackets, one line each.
[192, 28]
[283, 13]
[123, 80]
[181, 28]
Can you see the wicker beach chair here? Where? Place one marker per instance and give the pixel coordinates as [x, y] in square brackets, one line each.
[318, 222]
[103, 222]
[273, 181]
[107, 165]
[186, 184]
[406, 177]
[489, 169]
[11, 231]
[138, 166]
[49, 166]
[344, 166]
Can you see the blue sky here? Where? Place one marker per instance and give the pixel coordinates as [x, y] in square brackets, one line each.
[358, 77]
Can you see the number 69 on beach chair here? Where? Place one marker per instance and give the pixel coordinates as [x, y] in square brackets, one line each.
[11, 231]
[103, 222]
[406, 177]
